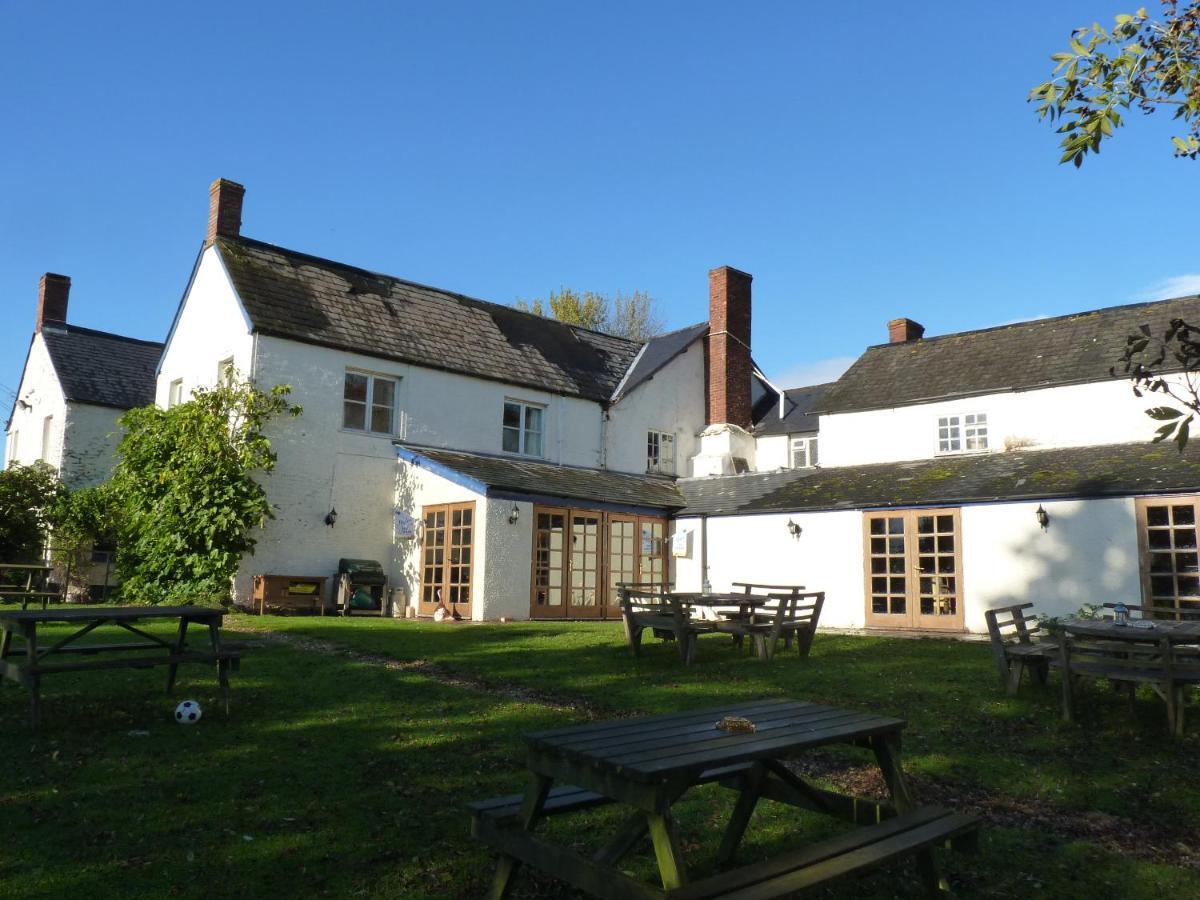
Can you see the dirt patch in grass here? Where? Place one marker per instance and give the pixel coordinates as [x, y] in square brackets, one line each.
[1123, 836]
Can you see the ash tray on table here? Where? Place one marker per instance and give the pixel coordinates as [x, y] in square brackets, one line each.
[735, 725]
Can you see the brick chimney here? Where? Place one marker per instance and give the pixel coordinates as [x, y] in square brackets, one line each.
[729, 368]
[901, 331]
[224, 209]
[52, 300]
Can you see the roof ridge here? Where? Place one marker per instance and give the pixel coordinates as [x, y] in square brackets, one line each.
[809, 387]
[428, 287]
[1038, 321]
[70, 328]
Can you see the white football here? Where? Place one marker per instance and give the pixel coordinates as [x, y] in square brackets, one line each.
[187, 712]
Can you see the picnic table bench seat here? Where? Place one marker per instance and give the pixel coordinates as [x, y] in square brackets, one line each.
[1018, 643]
[788, 616]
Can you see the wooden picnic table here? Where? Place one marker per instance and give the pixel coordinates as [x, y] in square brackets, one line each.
[27, 664]
[650, 763]
[35, 588]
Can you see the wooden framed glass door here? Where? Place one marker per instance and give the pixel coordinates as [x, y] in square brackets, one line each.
[549, 563]
[622, 559]
[585, 595]
[913, 569]
[1167, 548]
[447, 558]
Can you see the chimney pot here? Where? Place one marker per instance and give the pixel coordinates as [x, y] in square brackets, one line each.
[53, 291]
[224, 209]
[729, 366]
[901, 331]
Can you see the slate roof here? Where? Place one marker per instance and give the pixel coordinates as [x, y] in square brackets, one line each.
[1114, 470]
[317, 301]
[797, 416]
[1045, 352]
[101, 368]
[656, 353]
[521, 476]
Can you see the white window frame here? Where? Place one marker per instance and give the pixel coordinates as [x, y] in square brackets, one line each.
[522, 430]
[13, 446]
[808, 445]
[225, 371]
[660, 452]
[175, 393]
[369, 404]
[958, 433]
[47, 434]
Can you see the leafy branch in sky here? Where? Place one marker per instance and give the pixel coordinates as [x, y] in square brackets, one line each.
[634, 316]
[1140, 63]
[1166, 366]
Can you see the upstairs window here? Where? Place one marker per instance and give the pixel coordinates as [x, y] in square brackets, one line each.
[47, 434]
[369, 403]
[803, 452]
[225, 372]
[522, 428]
[660, 452]
[962, 434]
[12, 446]
[175, 393]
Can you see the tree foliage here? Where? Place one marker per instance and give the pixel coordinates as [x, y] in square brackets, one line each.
[1166, 365]
[188, 493]
[634, 316]
[1140, 63]
[80, 520]
[28, 497]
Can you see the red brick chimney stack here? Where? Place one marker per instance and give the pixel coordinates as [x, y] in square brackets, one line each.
[224, 209]
[53, 291]
[729, 367]
[901, 331]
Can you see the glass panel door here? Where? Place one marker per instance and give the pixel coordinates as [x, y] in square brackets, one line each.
[447, 558]
[887, 570]
[433, 559]
[622, 559]
[549, 563]
[936, 577]
[584, 595]
[651, 552]
[913, 569]
[1168, 546]
[458, 580]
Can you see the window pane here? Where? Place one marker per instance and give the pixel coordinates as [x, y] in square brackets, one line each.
[356, 387]
[512, 415]
[812, 452]
[533, 419]
[381, 419]
[512, 440]
[354, 415]
[533, 444]
[385, 392]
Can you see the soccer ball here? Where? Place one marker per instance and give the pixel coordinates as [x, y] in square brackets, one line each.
[187, 712]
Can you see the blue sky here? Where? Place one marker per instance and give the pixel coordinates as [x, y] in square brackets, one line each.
[862, 160]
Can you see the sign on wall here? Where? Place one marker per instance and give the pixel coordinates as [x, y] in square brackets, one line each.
[406, 525]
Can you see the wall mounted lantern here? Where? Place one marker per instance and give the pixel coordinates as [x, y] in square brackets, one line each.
[794, 529]
[515, 515]
[1043, 517]
[331, 517]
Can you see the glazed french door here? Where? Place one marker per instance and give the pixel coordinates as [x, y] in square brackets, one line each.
[1167, 546]
[913, 569]
[447, 558]
[580, 557]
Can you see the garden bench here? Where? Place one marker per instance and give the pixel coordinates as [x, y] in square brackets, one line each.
[668, 615]
[1129, 656]
[790, 616]
[1018, 643]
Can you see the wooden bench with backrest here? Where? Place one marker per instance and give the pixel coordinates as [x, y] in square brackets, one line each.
[1167, 668]
[791, 616]
[668, 615]
[1018, 643]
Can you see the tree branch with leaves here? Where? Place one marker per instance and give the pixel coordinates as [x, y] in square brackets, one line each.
[1140, 63]
[1168, 366]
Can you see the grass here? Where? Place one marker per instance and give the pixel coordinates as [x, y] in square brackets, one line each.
[336, 776]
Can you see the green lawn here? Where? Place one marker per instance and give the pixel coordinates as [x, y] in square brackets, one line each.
[337, 776]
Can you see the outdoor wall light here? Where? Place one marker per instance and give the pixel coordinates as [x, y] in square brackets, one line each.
[331, 517]
[514, 515]
[794, 529]
[1043, 517]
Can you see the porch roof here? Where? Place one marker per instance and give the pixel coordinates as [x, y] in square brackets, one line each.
[506, 475]
[1113, 470]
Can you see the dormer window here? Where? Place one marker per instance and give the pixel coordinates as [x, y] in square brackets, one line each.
[962, 434]
[802, 452]
[660, 452]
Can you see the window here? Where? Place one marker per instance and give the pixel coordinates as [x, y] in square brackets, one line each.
[803, 452]
[660, 452]
[522, 428]
[369, 403]
[962, 434]
[225, 371]
[47, 432]
[12, 446]
[1170, 555]
[175, 393]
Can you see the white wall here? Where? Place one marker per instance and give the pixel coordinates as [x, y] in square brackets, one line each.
[671, 401]
[1072, 416]
[88, 450]
[211, 327]
[507, 587]
[771, 452]
[40, 389]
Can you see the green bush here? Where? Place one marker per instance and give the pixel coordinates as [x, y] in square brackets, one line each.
[28, 496]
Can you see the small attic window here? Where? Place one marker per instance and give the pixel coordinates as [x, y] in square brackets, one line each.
[963, 433]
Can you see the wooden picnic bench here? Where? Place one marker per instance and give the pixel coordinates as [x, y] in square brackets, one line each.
[1018, 643]
[650, 763]
[667, 614]
[783, 612]
[28, 664]
[35, 587]
[1160, 654]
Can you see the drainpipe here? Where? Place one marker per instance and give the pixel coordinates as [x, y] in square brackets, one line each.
[603, 438]
[705, 584]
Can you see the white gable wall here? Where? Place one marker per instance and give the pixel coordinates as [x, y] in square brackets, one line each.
[40, 389]
[89, 444]
[671, 401]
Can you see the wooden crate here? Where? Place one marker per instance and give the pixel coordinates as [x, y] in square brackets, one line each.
[289, 593]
